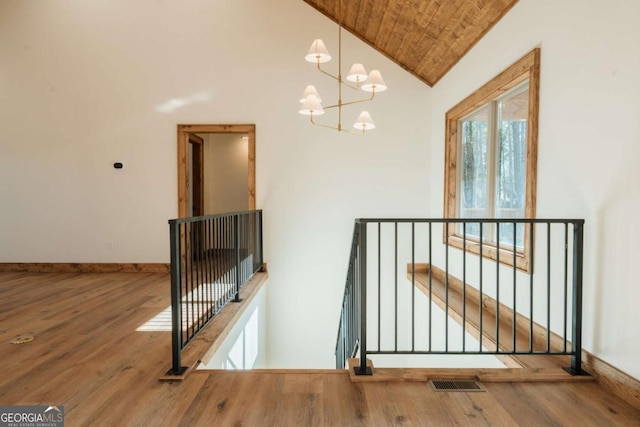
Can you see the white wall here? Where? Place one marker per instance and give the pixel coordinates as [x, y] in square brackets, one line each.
[226, 173]
[246, 345]
[588, 145]
[86, 84]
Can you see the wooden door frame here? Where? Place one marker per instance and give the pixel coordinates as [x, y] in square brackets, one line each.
[183, 139]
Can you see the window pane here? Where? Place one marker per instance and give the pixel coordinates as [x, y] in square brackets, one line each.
[511, 165]
[474, 167]
[490, 165]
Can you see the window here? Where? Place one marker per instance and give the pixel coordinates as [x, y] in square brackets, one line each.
[491, 150]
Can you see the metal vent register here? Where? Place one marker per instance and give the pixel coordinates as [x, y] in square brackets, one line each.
[449, 385]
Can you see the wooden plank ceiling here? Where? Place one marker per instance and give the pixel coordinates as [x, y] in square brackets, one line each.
[425, 37]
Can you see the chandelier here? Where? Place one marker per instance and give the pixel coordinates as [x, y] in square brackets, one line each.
[357, 79]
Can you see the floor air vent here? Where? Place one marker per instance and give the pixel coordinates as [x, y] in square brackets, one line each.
[449, 385]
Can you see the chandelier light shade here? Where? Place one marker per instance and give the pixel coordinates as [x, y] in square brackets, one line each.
[364, 122]
[357, 79]
[310, 90]
[318, 52]
[357, 73]
[374, 82]
[311, 106]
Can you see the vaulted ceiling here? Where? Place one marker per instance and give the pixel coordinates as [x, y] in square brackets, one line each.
[425, 37]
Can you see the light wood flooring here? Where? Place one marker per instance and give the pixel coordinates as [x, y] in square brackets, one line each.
[88, 356]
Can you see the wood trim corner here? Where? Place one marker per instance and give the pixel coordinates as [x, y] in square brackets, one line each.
[613, 379]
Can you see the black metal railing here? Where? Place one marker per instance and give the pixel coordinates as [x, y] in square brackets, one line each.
[349, 325]
[508, 308]
[211, 258]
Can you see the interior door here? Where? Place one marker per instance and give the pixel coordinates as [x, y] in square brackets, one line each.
[196, 195]
[196, 175]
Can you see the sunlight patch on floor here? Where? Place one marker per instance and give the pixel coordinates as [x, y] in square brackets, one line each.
[195, 306]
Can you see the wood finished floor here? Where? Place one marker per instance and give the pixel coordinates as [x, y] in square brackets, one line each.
[88, 356]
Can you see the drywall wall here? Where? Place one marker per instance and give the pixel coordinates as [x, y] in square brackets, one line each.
[588, 145]
[87, 84]
[245, 347]
[226, 173]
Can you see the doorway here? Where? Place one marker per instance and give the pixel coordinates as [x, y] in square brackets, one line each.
[190, 137]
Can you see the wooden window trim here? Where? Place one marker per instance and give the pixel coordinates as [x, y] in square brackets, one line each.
[527, 67]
